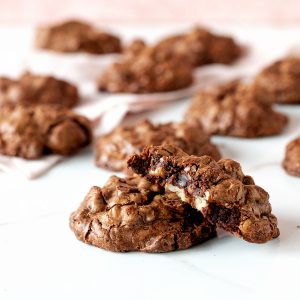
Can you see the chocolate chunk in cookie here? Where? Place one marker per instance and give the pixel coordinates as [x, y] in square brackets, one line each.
[280, 82]
[131, 214]
[113, 149]
[291, 161]
[33, 131]
[76, 36]
[33, 89]
[225, 196]
[202, 47]
[143, 69]
[232, 109]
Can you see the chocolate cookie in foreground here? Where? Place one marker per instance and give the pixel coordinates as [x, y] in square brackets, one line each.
[33, 89]
[280, 82]
[76, 36]
[202, 47]
[113, 149]
[232, 109]
[33, 131]
[225, 196]
[143, 69]
[291, 161]
[132, 214]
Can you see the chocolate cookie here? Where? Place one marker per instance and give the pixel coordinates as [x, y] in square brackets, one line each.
[113, 149]
[133, 215]
[232, 109]
[33, 89]
[33, 131]
[143, 69]
[280, 82]
[226, 197]
[291, 161]
[202, 47]
[76, 36]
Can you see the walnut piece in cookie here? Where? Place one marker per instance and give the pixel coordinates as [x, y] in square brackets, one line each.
[31, 89]
[143, 69]
[77, 36]
[291, 161]
[280, 82]
[202, 47]
[132, 214]
[232, 109]
[225, 196]
[113, 149]
[33, 131]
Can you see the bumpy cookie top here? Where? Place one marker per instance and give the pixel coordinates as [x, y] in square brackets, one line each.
[143, 69]
[33, 131]
[291, 161]
[76, 36]
[202, 47]
[279, 82]
[232, 109]
[37, 89]
[220, 190]
[113, 149]
[132, 214]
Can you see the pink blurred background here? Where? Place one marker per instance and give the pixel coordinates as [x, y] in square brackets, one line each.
[147, 11]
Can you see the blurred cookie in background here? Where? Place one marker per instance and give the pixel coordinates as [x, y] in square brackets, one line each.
[233, 110]
[31, 89]
[33, 131]
[291, 161]
[113, 149]
[202, 47]
[144, 69]
[77, 36]
[280, 81]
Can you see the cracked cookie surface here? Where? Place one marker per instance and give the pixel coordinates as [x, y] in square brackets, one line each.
[232, 109]
[291, 161]
[31, 89]
[113, 149]
[33, 131]
[131, 214]
[226, 197]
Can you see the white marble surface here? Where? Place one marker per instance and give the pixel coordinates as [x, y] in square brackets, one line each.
[41, 259]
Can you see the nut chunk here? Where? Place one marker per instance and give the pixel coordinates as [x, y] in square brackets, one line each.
[291, 161]
[33, 131]
[132, 214]
[220, 190]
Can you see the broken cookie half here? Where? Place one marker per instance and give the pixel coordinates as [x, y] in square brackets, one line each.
[225, 196]
[131, 214]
